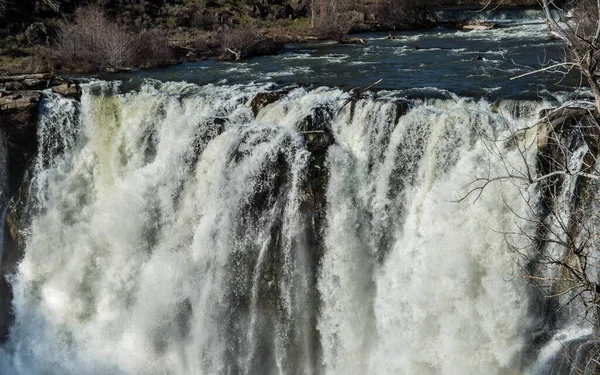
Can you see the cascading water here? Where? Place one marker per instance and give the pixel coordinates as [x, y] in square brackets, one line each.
[172, 231]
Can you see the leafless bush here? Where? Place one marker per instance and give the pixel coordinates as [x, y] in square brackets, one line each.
[232, 42]
[152, 49]
[333, 18]
[581, 35]
[92, 41]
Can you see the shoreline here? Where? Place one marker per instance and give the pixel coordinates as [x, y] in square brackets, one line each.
[190, 45]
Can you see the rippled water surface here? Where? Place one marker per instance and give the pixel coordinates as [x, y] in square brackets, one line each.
[415, 62]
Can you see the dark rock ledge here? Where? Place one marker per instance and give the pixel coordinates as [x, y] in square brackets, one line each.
[20, 98]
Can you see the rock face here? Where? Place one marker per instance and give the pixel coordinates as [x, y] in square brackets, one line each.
[18, 120]
[27, 82]
[18, 117]
[19, 108]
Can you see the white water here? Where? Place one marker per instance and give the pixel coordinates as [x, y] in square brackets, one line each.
[169, 239]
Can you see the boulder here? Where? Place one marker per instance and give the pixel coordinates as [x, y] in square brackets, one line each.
[317, 140]
[263, 47]
[68, 89]
[263, 99]
[543, 134]
[480, 26]
[352, 41]
[318, 119]
[27, 82]
[18, 101]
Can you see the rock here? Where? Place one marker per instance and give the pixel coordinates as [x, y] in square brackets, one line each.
[402, 108]
[18, 119]
[68, 89]
[263, 47]
[543, 134]
[18, 122]
[480, 26]
[263, 99]
[317, 140]
[477, 58]
[317, 120]
[37, 34]
[277, 12]
[46, 76]
[27, 82]
[352, 41]
[19, 100]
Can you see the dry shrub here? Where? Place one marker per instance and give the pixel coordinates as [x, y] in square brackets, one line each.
[153, 49]
[93, 42]
[234, 41]
[584, 18]
[334, 18]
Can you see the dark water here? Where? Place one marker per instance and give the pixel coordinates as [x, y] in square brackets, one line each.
[418, 63]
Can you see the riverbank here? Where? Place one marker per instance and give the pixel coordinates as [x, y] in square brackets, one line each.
[25, 46]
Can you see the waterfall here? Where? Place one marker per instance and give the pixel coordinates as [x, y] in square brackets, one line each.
[179, 229]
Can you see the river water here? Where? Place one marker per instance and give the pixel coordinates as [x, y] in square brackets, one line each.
[172, 229]
[418, 63]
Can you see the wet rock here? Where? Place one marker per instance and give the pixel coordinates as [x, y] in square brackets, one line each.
[317, 140]
[10, 102]
[480, 26]
[27, 82]
[543, 136]
[574, 355]
[68, 89]
[402, 108]
[263, 99]
[477, 58]
[318, 119]
[352, 41]
[18, 122]
[262, 47]
[13, 248]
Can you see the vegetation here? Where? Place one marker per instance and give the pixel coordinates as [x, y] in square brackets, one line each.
[193, 28]
[93, 42]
